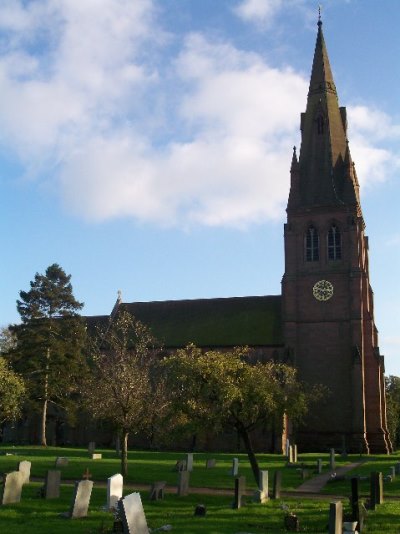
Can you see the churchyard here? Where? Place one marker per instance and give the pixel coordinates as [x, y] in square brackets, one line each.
[225, 512]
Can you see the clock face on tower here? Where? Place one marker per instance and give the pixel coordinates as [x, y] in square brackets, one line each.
[323, 290]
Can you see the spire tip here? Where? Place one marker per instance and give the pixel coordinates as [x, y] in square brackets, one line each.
[319, 16]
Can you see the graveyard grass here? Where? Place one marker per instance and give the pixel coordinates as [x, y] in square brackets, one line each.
[34, 515]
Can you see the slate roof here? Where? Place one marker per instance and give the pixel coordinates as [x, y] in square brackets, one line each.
[220, 322]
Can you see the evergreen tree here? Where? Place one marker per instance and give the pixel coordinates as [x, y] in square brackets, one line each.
[49, 342]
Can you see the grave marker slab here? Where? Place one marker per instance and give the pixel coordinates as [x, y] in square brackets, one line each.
[319, 466]
[115, 485]
[61, 461]
[235, 467]
[132, 514]
[12, 487]
[157, 490]
[97, 456]
[332, 462]
[276, 492]
[80, 499]
[180, 466]
[262, 494]
[24, 468]
[335, 517]
[295, 454]
[210, 463]
[240, 490]
[183, 483]
[189, 461]
[91, 447]
[52, 482]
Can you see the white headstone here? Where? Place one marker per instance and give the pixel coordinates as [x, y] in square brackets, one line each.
[115, 486]
[11, 487]
[81, 498]
[189, 461]
[97, 456]
[132, 514]
[235, 467]
[24, 468]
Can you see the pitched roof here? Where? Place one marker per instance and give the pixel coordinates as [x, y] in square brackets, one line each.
[220, 322]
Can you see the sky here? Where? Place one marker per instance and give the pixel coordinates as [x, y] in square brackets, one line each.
[145, 145]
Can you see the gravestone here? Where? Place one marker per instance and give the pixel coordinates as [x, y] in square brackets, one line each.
[183, 483]
[61, 461]
[354, 499]
[291, 523]
[157, 490]
[376, 490]
[319, 466]
[200, 510]
[211, 463]
[52, 482]
[91, 447]
[24, 468]
[290, 457]
[304, 473]
[362, 515]
[276, 491]
[392, 472]
[189, 461]
[335, 517]
[332, 462]
[97, 456]
[132, 514]
[240, 490]
[80, 499]
[115, 485]
[295, 454]
[287, 448]
[235, 467]
[261, 495]
[397, 468]
[12, 487]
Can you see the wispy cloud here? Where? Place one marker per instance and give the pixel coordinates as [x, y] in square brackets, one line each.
[202, 137]
[258, 11]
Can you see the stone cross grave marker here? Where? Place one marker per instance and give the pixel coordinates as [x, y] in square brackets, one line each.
[115, 485]
[235, 467]
[335, 517]
[276, 492]
[24, 468]
[183, 483]
[80, 499]
[52, 482]
[157, 490]
[210, 463]
[12, 487]
[261, 495]
[86, 474]
[132, 514]
[189, 461]
[61, 461]
[332, 463]
[240, 490]
[91, 447]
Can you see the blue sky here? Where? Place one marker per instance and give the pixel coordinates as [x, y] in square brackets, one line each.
[145, 146]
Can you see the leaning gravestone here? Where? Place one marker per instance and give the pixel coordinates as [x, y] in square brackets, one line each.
[240, 490]
[115, 486]
[61, 461]
[132, 514]
[11, 487]
[261, 495]
[80, 499]
[24, 468]
[235, 467]
[183, 483]
[335, 517]
[52, 485]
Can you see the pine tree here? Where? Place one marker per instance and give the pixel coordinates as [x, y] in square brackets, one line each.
[49, 342]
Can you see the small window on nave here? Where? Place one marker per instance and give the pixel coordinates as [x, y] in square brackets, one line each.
[320, 125]
[334, 243]
[312, 244]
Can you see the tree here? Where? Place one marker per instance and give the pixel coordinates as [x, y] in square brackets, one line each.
[393, 408]
[123, 386]
[12, 392]
[49, 342]
[220, 390]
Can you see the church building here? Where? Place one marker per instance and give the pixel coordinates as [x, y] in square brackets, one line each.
[323, 322]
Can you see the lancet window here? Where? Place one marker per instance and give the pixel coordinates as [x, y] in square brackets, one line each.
[312, 244]
[334, 243]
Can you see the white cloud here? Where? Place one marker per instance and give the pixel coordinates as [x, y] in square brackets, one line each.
[258, 11]
[204, 138]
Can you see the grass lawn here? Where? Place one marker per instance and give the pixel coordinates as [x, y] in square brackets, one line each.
[34, 515]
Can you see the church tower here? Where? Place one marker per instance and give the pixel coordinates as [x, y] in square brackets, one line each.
[328, 307]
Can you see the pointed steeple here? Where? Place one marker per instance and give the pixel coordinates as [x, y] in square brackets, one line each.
[324, 179]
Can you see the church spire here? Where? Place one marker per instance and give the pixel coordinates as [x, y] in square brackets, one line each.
[324, 146]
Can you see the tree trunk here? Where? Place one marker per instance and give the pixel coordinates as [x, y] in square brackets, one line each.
[243, 433]
[124, 453]
[43, 441]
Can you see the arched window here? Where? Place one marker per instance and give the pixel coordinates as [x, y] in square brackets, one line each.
[312, 244]
[320, 125]
[334, 243]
